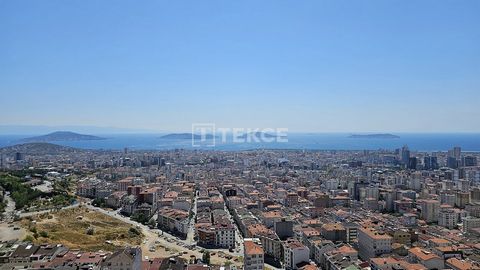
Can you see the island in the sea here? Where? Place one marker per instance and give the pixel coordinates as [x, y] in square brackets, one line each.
[374, 136]
[186, 136]
[61, 136]
[257, 134]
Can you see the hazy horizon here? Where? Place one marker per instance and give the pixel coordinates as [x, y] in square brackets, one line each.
[24, 130]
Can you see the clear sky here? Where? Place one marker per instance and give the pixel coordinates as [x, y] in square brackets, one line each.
[317, 66]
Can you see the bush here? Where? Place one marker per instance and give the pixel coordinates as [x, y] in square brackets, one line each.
[134, 230]
[90, 231]
[28, 238]
[44, 234]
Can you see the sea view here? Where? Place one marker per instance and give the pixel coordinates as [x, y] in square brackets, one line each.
[307, 141]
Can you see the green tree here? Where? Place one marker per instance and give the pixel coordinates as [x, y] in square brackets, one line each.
[152, 222]
[140, 218]
[21, 194]
[206, 257]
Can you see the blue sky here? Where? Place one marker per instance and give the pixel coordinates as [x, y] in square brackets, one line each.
[316, 66]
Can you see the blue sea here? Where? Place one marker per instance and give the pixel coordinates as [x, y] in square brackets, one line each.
[307, 141]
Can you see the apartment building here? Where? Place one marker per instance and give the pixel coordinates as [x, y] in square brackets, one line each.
[173, 220]
[253, 254]
[373, 243]
[295, 253]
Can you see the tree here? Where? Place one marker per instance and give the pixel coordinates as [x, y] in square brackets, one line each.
[140, 218]
[206, 257]
[152, 223]
[99, 202]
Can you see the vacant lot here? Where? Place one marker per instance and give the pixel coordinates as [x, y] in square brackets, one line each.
[81, 228]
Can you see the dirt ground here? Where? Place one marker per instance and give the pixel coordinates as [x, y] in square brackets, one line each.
[8, 232]
[165, 248]
[70, 227]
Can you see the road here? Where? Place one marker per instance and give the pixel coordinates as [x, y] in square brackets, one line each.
[10, 209]
[238, 234]
[29, 214]
[165, 244]
[10, 230]
[191, 226]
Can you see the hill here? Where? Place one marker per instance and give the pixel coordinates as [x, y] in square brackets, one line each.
[61, 136]
[38, 149]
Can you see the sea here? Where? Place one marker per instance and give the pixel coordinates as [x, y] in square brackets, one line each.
[427, 142]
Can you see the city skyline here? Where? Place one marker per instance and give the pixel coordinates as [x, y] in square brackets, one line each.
[312, 66]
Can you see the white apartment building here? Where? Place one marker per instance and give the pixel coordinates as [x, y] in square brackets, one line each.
[447, 217]
[252, 254]
[295, 253]
[470, 223]
[225, 235]
[372, 243]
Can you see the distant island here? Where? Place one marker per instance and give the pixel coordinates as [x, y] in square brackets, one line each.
[374, 136]
[186, 136]
[61, 136]
[39, 148]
